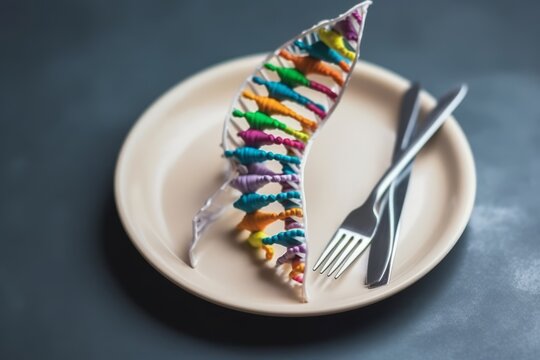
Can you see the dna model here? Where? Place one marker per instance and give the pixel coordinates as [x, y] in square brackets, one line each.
[267, 135]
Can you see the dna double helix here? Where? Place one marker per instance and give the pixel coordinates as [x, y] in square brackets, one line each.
[270, 126]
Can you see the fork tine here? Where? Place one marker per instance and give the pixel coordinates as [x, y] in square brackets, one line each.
[356, 253]
[337, 237]
[337, 250]
[350, 247]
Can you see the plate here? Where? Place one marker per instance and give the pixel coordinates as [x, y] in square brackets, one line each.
[171, 162]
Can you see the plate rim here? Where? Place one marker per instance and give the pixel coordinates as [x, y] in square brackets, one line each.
[376, 71]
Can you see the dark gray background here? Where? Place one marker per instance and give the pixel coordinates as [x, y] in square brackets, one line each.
[74, 77]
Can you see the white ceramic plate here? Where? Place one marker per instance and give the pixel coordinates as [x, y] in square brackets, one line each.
[171, 162]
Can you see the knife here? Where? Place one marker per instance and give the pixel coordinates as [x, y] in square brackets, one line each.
[383, 243]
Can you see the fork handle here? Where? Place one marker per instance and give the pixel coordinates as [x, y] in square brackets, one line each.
[445, 106]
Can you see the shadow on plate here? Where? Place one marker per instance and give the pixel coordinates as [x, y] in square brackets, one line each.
[195, 317]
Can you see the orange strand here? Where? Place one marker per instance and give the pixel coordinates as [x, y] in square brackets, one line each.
[269, 250]
[344, 66]
[271, 106]
[309, 65]
[259, 220]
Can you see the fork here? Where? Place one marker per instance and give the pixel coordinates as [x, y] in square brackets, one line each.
[355, 233]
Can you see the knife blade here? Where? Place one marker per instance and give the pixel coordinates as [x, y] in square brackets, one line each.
[398, 195]
[382, 245]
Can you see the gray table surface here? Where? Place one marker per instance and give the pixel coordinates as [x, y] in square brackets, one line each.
[75, 76]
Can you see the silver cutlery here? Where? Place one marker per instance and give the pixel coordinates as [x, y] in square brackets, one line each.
[356, 232]
[383, 242]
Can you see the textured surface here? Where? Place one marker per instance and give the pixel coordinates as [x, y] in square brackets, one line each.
[75, 76]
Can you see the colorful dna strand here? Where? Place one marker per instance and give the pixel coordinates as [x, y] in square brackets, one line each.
[281, 106]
